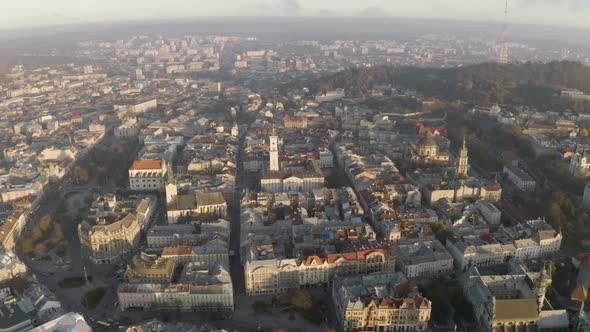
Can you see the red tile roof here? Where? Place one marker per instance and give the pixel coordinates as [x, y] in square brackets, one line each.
[146, 164]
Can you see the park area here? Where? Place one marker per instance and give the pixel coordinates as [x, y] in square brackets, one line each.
[46, 238]
[73, 282]
[92, 298]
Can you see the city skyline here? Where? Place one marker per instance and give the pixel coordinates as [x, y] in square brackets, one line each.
[35, 13]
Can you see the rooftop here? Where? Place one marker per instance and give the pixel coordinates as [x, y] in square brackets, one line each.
[146, 164]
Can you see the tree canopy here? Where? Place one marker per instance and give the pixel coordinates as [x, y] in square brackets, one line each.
[535, 84]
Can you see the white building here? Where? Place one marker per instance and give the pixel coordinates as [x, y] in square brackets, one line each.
[13, 192]
[137, 108]
[579, 164]
[491, 213]
[147, 175]
[329, 95]
[285, 182]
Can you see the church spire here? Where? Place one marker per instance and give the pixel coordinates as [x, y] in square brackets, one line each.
[463, 162]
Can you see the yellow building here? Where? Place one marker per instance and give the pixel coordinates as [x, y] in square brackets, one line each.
[145, 268]
[380, 302]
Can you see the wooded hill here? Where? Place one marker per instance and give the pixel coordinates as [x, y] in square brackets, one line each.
[535, 84]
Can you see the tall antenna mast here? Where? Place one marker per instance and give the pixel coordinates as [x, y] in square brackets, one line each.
[503, 56]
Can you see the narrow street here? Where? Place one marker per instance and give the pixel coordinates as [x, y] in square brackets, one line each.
[236, 269]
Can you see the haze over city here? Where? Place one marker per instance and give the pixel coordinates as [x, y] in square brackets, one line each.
[33, 13]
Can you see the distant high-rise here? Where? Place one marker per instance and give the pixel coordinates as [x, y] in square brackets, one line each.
[503, 52]
[274, 154]
[88, 69]
[503, 56]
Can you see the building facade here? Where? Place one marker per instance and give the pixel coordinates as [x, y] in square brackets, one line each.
[147, 175]
[380, 302]
[107, 234]
[274, 276]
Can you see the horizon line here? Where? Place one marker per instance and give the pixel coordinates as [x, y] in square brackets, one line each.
[281, 17]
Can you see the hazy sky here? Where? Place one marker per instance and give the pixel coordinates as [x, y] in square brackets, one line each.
[30, 13]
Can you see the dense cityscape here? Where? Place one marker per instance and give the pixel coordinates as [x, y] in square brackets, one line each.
[237, 183]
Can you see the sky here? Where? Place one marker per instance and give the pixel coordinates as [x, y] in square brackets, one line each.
[15, 14]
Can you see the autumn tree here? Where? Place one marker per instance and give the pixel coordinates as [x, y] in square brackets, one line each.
[40, 249]
[58, 232]
[45, 223]
[81, 174]
[37, 234]
[302, 300]
[28, 246]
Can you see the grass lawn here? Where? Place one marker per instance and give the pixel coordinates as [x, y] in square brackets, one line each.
[73, 282]
[92, 298]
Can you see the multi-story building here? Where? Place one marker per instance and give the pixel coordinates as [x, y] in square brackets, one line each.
[380, 302]
[520, 178]
[145, 268]
[112, 228]
[509, 301]
[10, 193]
[491, 213]
[326, 96]
[202, 287]
[214, 250]
[534, 239]
[127, 129]
[284, 182]
[579, 164]
[147, 175]
[462, 190]
[266, 274]
[137, 107]
[161, 236]
[424, 259]
[11, 226]
[479, 250]
[547, 237]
